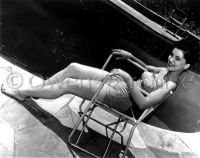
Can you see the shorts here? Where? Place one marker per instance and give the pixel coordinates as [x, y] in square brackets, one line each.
[118, 94]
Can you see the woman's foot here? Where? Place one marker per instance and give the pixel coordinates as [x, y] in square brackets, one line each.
[12, 93]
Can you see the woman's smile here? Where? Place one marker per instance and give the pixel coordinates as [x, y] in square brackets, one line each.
[176, 61]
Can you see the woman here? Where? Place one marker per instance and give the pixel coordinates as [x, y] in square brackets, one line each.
[83, 81]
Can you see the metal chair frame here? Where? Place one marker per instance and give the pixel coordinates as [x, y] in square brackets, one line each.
[87, 113]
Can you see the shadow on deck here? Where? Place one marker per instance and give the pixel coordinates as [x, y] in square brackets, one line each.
[37, 133]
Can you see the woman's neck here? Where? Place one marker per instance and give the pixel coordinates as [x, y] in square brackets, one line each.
[178, 73]
[173, 76]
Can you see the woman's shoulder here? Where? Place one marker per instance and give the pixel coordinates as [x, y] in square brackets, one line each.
[172, 77]
[170, 85]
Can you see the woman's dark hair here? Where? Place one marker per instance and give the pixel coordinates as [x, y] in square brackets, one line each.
[190, 50]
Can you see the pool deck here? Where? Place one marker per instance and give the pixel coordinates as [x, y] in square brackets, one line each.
[40, 128]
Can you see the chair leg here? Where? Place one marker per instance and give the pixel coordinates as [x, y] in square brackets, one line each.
[129, 140]
[85, 124]
[111, 137]
[89, 117]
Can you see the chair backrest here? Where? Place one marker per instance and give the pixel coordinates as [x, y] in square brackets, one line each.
[151, 109]
[178, 17]
[135, 61]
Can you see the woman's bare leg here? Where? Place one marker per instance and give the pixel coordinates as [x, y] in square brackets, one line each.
[82, 88]
[77, 71]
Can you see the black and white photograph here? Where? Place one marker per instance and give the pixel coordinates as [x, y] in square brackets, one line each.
[100, 78]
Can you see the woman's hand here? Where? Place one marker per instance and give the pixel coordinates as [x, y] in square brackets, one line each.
[124, 54]
[121, 73]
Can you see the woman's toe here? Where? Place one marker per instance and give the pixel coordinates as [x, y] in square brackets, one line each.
[12, 93]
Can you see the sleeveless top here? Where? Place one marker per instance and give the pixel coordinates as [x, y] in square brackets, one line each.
[152, 81]
[119, 93]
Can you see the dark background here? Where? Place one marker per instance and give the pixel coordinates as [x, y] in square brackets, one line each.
[190, 7]
[45, 36]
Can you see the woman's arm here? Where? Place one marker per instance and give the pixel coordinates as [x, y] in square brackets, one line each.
[127, 55]
[135, 92]
[154, 69]
[153, 98]
[141, 100]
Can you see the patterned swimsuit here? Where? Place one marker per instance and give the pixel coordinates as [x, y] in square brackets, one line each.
[119, 96]
[119, 93]
[151, 81]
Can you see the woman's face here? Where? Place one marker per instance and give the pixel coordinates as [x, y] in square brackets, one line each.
[176, 61]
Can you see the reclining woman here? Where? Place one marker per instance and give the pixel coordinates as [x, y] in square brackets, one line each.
[83, 81]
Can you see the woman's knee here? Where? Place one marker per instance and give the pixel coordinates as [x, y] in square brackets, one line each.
[71, 83]
[82, 88]
[72, 67]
